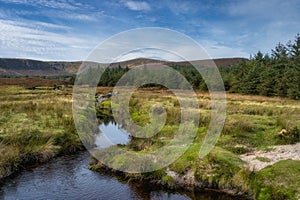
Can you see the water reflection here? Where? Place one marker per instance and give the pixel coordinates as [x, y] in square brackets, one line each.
[111, 134]
[68, 177]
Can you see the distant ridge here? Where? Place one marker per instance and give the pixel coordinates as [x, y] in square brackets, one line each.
[10, 67]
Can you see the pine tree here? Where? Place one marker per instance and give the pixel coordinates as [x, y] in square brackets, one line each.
[293, 73]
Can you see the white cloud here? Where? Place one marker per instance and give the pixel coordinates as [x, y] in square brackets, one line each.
[216, 50]
[45, 3]
[257, 9]
[248, 26]
[50, 26]
[38, 41]
[56, 4]
[91, 16]
[266, 22]
[162, 44]
[187, 8]
[64, 9]
[137, 5]
[181, 7]
[17, 39]
[74, 16]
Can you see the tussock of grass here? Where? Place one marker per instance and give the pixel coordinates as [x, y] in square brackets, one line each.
[9, 159]
[35, 126]
[279, 181]
[220, 168]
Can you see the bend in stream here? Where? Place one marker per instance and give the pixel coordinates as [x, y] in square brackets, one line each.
[67, 177]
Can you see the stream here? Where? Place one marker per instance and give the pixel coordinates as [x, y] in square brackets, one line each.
[67, 177]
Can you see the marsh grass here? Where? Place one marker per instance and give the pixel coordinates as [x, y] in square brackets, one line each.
[253, 122]
[279, 181]
[35, 126]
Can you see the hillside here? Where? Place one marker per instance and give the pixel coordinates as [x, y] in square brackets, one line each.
[220, 62]
[25, 67]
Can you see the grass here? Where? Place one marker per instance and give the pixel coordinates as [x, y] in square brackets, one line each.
[31, 82]
[253, 122]
[279, 181]
[263, 159]
[35, 126]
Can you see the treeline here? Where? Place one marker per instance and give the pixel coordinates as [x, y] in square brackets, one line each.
[112, 75]
[277, 74]
[108, 76]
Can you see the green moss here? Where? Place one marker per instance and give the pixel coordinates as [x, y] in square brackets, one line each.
[226, 158]
[118, 162]
[263, 159]
[140, 118]
[225, 165]
[105, 104]
[188, 160]
[279, 181]
[168, 180]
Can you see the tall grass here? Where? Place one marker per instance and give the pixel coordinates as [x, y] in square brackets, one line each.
[35, 126]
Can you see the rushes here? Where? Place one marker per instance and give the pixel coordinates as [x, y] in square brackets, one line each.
[35, 126]
[9, 159]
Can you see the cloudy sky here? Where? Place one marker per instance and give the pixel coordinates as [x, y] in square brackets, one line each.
[70, 29]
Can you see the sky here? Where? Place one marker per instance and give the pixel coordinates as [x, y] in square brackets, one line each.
[70, 29]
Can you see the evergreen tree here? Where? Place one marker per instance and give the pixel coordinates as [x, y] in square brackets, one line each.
[293, 73]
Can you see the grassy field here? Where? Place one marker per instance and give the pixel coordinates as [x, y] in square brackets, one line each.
[253, 123]
[35, 126]
[30, 82]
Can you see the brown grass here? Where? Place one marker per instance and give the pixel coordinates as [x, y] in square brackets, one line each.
[29, 82]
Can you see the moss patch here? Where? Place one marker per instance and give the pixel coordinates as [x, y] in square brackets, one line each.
[279, 181]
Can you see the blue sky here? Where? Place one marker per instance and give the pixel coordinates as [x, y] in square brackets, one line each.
[70, 29]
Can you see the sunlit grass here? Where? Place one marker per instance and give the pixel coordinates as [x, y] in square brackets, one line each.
[253, 122]
[35, 126]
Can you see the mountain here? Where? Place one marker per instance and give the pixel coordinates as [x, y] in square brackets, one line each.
[219, 62]
[24, 67]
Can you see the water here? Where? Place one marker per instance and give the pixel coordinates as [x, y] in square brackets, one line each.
[111, 134]
[67, 177]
